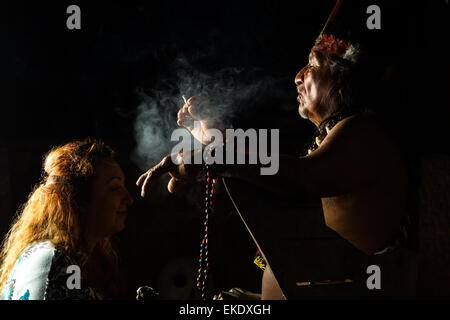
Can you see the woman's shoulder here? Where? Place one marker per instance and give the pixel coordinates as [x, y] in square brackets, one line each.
[28, 277]
[37, 253]
[44, 272]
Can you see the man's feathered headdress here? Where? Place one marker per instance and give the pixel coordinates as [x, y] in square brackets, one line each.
[329, 43]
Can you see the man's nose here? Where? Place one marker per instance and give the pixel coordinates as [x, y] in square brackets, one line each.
[300, 76]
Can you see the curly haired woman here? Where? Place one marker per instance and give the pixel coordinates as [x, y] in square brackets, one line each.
[66, 226]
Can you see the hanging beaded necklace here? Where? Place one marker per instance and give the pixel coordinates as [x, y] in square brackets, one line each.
[324, 128]
[202, 277]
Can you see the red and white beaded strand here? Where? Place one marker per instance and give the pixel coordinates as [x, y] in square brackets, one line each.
[203, 260]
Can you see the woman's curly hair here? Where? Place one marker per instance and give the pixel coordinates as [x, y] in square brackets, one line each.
[53, 210]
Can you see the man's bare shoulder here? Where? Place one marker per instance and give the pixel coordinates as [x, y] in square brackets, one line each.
[361, 133]
[359, 123]
[357, 152]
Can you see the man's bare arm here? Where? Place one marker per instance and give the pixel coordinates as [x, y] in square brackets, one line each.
[349, 158]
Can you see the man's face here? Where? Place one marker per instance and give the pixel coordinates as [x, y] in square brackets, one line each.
[313, 85]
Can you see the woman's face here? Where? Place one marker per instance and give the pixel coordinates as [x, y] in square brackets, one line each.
[107, 210]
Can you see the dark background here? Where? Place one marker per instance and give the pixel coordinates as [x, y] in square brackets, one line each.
[61, 85]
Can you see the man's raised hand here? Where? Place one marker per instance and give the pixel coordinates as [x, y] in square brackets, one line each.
[180, 174]
[198, 108]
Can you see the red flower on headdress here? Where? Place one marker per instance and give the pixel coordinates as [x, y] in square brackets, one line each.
[328, 44]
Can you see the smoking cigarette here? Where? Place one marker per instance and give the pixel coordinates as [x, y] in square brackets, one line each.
[184, 98]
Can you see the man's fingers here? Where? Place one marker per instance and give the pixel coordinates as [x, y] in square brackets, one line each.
[141, 179]
[148, 179]
[185, 119]
[183, 114]
[188, 124]
[146, 185]
[175, 184]
[201, 108]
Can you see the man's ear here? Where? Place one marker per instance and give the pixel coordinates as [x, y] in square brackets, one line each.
[340, 97]
[334, 98]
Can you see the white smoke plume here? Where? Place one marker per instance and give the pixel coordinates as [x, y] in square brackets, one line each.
[231, 89]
